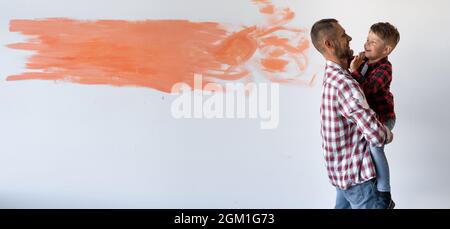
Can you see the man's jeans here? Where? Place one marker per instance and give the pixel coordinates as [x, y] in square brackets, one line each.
[381, 163]
[361, 196]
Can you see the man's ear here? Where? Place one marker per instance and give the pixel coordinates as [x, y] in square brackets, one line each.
[328, 44]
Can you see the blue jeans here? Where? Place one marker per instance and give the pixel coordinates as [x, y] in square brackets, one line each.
[381, 163]
[361, 196]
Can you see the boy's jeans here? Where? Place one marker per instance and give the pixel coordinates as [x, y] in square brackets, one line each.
[360, 196]
[381, 163]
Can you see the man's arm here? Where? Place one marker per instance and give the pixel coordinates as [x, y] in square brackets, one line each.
[354, 106]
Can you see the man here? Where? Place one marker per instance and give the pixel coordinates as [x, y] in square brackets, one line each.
[348, 125]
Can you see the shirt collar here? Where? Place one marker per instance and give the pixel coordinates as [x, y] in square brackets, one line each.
[334, 65]
[378, 63]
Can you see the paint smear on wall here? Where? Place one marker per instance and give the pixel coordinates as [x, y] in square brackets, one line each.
[160, 53]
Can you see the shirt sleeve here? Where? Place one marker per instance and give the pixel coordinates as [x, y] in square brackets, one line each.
[357, 76]
[380, 78]
[354, 106]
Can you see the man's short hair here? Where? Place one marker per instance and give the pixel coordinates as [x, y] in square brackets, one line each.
[323, 29]
[386, 32]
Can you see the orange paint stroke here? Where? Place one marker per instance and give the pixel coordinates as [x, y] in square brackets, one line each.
[274, 64]
[160, 53]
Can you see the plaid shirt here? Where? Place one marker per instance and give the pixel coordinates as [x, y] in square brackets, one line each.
[347, 126]
[375, 84]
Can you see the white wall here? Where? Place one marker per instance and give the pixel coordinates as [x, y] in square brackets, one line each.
[76, 146]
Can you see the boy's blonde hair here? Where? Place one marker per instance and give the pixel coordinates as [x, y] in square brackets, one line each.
[387, 32]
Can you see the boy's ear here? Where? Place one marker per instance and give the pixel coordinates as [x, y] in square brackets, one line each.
[387, 50]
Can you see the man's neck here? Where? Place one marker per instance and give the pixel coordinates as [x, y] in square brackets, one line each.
[343, 63]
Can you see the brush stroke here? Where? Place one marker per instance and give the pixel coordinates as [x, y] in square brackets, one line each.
[160, 53]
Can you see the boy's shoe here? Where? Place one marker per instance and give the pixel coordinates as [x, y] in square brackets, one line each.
[391, 204]
[387, 197]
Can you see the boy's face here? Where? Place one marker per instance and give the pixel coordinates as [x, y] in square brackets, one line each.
[375, 48]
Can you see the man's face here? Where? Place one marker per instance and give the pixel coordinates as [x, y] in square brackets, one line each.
[374, 48]
[342, 44]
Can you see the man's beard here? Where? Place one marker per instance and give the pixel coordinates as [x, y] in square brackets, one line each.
[343, 53]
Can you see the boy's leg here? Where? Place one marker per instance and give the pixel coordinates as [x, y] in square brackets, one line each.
[381, 163]
[365, 196]
[382, 168]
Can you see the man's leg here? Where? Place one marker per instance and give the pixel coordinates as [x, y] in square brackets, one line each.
[365, 196]
[341, 202]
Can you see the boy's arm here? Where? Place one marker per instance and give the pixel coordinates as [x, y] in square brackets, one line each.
[354, 106]
[380, 77]
[355, 65]
[357, 76]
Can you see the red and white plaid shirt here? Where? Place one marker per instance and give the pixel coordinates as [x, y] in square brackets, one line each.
[347, 126]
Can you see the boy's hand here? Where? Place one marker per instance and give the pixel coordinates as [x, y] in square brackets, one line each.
[357, 61]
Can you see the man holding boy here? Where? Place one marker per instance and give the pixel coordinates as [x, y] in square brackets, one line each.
[348, 125]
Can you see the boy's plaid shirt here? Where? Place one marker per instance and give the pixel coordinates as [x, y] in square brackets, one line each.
[348, 125]
[375, 84]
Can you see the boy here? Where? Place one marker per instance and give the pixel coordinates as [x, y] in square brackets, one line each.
[373, 72]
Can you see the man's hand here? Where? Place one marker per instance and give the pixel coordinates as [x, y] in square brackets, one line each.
[389, 136]
[357, 61]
